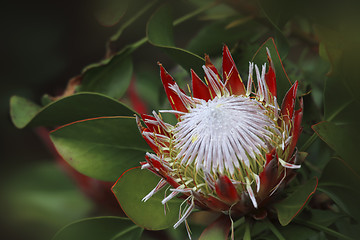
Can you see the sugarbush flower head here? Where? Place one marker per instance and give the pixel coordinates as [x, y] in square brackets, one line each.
[232, 148]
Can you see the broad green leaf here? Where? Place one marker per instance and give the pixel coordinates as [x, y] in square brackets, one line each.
[217, 230]
[65, 110]
[110, 77]
[104, 228]
[291, 231]
[101, 148]
[322, 217]
[282, 80]
[340, 183]
[109, 12]
[160, 34]
[318, 227]
[218, 12]
[344, 139]
[41, 194]
[288, 208]
[132, 187]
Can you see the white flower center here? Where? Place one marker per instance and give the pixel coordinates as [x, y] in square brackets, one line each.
[223, 133]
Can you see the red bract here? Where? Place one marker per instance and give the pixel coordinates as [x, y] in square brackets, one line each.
[232, 148]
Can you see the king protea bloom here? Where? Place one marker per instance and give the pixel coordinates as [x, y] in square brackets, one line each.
[233, 147]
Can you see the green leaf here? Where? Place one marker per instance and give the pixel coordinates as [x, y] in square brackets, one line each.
[321, 217]
[296, 232]
[331, 46]
[132, 187]
[110, 77]
[109, 12]
[288, 208]
[65, 110]
[104, 228]
[211, 38]
[160, 34]
[134, 16]
[348, 226]
[340, 183]
[326, 230]
[344, 139]
[339, 109]
[282, 80]
[22, 111]
[101, 148]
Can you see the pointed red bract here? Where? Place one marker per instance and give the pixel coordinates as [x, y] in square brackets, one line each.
[174, 99]
[287, 107]
[270, 79]
[200, 90]
[231, 75]
[226, 189]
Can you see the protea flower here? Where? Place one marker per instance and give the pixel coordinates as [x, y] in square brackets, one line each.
[232, 148]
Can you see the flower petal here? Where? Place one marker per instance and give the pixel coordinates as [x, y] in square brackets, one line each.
[231, 76]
